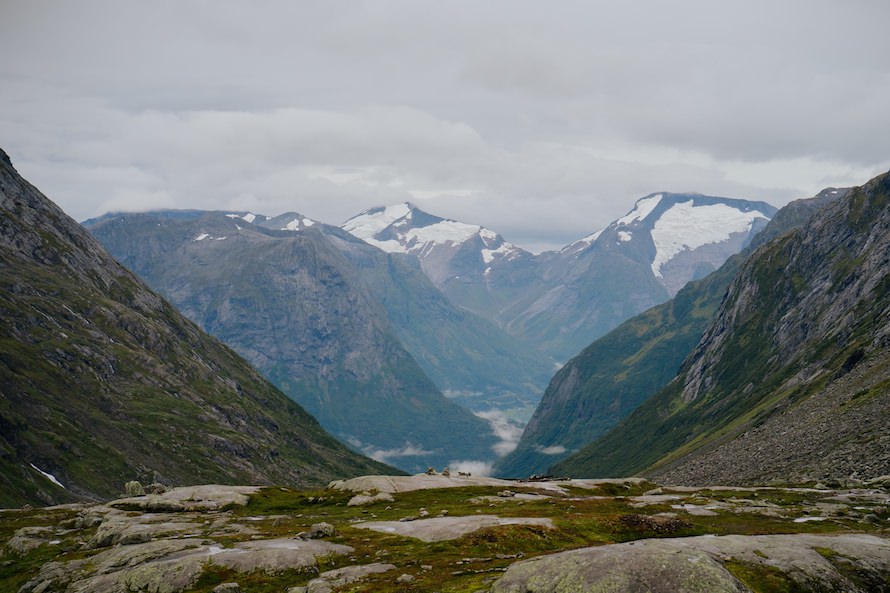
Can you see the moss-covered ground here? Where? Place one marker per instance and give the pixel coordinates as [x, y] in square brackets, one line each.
[581, 517]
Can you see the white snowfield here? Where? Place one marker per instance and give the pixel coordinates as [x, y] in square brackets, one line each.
[642, 209]
[686, 227]
[369, 223]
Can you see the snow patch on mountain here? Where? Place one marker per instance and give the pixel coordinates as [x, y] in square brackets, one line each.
[686, 227]
[488, 255]
[48, 476]
[447, 231]
[248, 217]
[593, 237]
[298, 223]
[369, 223]
[396, 229]
[642, 209]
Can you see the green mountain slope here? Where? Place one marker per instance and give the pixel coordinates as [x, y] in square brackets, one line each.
[797, 353]
[615, 374]
[102, 381]
[294, 306]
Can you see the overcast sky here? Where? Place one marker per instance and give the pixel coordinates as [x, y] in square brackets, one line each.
[541, 120]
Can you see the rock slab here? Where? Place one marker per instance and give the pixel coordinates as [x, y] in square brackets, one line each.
[699, 565]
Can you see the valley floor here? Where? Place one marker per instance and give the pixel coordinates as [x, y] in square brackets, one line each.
[439, 533]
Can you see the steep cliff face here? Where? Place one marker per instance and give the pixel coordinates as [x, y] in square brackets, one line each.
[615, 374]
[102, 381]
[797, 351]
[292, 303]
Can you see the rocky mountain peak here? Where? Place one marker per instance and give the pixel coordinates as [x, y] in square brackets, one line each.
[685, 236]
[446, 248]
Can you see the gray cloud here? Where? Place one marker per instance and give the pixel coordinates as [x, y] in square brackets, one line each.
[544, 121]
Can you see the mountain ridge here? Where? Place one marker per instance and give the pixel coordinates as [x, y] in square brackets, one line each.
[619, 371]
[804, 311]
[102, 381]
[558, 301]
[296, 305]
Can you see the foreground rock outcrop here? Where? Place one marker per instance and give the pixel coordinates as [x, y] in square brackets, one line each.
[729, 564]
[460, 537]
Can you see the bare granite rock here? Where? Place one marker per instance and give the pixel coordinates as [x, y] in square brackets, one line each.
[445, 528]
[367, 498]
[26, 539]
[334, 579]
[697, 564]
[174, 565]
[210, 497]
[275, 555]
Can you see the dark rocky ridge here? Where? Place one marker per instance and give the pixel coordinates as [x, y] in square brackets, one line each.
[102, 381]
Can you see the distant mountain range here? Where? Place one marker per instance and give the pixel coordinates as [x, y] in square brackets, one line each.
[103, 382]
[311, 305]
[789, 381]
[558, 302]
[321, 314]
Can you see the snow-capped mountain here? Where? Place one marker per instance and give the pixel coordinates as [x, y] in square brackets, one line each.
[561, 301]
[446, 248]
[683, 236]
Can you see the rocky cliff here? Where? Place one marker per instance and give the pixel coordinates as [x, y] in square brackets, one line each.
[789, 381]
[102, 381]
[615, 374]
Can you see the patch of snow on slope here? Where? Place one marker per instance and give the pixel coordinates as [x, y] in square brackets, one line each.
[488, 254]
[642, 209]
[48, 476]
[593, 237]
[685, 226]
[295, 224]
[583, 242]
[389, 246]
[624, 236]
[245, 217]
[366, 225]
[201, 237]
[442, 232]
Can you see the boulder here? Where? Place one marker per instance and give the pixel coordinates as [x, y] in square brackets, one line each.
[26, 539]
[318, 531]
[704, 564]
[335, 579]
[134, 488]
[366, 499]
[446, 528]
[275, 555]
